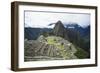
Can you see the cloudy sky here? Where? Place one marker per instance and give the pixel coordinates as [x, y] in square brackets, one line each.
[43, 19]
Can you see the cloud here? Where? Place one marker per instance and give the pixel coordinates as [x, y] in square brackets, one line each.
[43, 19]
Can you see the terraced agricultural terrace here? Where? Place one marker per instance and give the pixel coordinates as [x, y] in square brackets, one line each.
[51, 48]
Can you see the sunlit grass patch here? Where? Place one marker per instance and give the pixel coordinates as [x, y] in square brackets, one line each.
[50, 40]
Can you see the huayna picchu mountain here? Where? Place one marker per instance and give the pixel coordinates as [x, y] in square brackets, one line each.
[59, 30]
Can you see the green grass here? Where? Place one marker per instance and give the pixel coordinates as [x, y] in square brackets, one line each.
[51, 40]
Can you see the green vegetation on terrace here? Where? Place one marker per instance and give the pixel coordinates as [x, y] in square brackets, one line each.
[52, 40]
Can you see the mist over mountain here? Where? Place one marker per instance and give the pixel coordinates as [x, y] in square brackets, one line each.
[83, 31]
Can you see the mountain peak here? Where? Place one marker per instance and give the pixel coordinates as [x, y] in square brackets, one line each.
[59, 23]
[59, 29]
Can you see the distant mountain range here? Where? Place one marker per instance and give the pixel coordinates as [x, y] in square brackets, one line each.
[33, 33]
[83, 31]
[58, 30]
